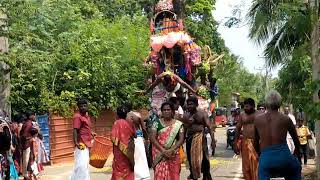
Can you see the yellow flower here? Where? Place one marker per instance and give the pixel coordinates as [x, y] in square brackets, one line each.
[82, 146]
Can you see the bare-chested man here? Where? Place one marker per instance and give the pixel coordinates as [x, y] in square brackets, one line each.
[138, 123]
[245, 127]
[271, 131]
[196, 121]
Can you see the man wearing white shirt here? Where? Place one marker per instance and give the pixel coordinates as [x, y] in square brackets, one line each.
[293, 119]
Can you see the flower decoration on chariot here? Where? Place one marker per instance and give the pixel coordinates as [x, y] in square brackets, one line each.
[164, 5]
[168, 72]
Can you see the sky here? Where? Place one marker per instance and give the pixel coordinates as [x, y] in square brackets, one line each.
[236, 38]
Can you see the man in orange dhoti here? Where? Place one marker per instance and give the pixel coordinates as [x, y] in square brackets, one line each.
[249, 160]
[248, 153]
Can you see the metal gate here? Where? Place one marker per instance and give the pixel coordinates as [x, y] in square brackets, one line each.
[45, 131]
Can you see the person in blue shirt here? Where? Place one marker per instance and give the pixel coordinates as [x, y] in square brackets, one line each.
[214, 89]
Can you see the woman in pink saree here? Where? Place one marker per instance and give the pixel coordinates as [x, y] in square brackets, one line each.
[167, 136]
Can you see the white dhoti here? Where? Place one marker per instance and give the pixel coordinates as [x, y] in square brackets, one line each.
[209, 141]
[290, 143]
[81, 165]
[289, 138]
[141, 169]
[204, 104]
[25, 161]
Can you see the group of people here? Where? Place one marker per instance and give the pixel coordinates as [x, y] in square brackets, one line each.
[263, 139]
[22, 149]
[167, 134]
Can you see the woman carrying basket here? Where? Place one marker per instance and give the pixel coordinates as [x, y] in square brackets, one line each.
[167, 135]
[122, 136]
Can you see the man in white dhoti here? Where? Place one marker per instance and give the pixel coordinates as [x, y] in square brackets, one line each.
[83, 139]
[293, 119]
[141, 168]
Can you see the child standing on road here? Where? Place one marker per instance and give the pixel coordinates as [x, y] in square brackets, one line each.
[42, 155]
[13, 171]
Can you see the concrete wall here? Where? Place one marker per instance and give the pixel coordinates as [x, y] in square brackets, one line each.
[61, 134]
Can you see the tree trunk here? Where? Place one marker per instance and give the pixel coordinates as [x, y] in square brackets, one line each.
[317, 130]
[315, 58]
[4, 71]
[316, 78]
[5, 88]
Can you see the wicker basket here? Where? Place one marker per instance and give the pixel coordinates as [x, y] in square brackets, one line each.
[100, 151]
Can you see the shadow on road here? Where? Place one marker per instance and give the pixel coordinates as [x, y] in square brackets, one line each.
[224, 153]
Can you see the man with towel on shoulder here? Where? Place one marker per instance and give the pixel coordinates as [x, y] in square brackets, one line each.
[83, 141]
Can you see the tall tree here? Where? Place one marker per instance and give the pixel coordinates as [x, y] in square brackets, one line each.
[61, 49]
[4, 68]
[285, 25]
[201, 24]
[294, 81]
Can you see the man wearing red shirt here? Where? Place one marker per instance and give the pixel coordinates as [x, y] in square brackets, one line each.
[83, 138]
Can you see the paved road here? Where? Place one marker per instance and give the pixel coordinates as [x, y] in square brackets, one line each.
[223, 165]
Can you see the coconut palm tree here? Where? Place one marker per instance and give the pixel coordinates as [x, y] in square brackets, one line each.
[285, 25]
[282, 27]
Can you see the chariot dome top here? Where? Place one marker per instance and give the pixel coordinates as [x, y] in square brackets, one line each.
[164, 5]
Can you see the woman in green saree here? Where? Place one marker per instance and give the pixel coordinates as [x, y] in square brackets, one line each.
[167, 135]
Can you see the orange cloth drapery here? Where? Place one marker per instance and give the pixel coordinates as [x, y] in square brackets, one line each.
[249, 160]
